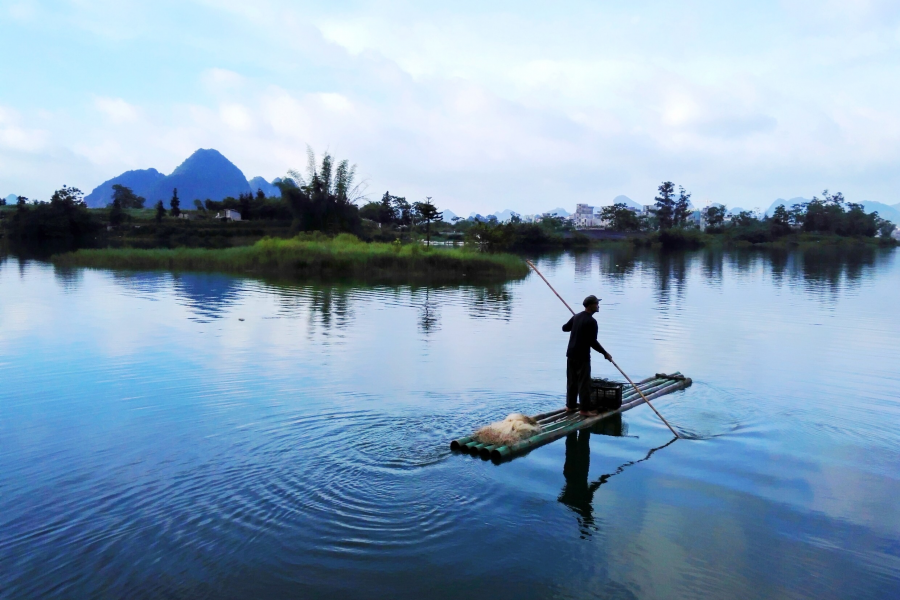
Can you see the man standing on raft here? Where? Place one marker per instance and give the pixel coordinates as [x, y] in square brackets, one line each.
[582, 338]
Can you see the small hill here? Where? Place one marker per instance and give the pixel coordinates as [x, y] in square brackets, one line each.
[142, 182]
[11, 199]
[206, 174]
[885, 211]
[627, 202]
[449, 215]
[559, 212]
[269, 189]
[505, 215]
[786, 203]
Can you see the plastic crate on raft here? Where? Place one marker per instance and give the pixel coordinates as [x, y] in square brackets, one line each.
[606, 394]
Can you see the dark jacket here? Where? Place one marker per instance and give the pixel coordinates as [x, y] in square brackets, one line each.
[583, 336]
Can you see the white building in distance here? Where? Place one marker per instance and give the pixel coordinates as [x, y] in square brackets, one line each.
[584, 216]
[229, 215]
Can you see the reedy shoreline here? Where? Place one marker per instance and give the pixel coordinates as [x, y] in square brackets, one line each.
[312, 256]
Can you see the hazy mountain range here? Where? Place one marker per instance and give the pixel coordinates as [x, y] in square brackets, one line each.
[269, 189]
[885, 211]
[205, 175]
[501, 215]
[627, 202]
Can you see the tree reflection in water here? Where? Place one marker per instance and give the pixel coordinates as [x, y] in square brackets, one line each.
[671, 271]
[489, 302]
[332, 306]
[429, 317]
[823, 271]
[578, 492]
[584, 260]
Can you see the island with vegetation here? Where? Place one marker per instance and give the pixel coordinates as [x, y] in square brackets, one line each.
[313, 256]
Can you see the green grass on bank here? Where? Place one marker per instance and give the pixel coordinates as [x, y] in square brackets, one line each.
[312, 256]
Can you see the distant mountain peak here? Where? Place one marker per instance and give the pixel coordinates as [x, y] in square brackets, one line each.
[505, 215]
[885, 211]
[269, 189]
[561, 212]
[622, 199]
[786, 203]
[201, 157]
[141, 181]
[205, 174]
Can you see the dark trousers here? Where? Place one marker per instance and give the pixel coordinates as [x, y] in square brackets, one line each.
[578, 383]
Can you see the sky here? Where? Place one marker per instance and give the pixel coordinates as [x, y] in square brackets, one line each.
[481, 105]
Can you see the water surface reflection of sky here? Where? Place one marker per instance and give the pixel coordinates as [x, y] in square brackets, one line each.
[201, 435]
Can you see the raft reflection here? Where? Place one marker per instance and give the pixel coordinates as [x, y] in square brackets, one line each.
[578, 493]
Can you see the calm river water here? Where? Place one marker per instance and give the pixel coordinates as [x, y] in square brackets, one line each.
[205, 436]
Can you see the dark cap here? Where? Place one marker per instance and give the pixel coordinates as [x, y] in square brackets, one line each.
[592, 299]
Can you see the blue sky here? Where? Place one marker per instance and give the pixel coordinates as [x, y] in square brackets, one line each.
[481, 105]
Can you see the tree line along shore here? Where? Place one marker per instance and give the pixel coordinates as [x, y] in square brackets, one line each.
[829, 220]
[290, 233]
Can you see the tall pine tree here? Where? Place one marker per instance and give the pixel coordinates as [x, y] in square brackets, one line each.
[386, 209]
[116, 214]
[682, 207]
[175, 203]
[665, 205]
[427, 213]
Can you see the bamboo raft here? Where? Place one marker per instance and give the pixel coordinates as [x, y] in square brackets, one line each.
[558, 423]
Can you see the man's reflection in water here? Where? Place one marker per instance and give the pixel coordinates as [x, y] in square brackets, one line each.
[577, 493]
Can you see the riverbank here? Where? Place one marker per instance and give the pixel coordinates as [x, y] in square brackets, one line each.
[679, 239]
[312, 256]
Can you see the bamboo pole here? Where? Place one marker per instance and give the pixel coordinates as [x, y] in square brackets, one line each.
[548, 414]
[456, 444]
[629, 393]
[663, 419]
[531, 264]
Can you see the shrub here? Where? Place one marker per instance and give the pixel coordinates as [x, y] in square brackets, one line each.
[678, 239]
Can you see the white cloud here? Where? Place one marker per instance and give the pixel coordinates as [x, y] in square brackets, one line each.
[17, 138]
[486, 110]
[107, 152]
[337, 103]
[219, 80]
[236, 116]
[116, 110]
